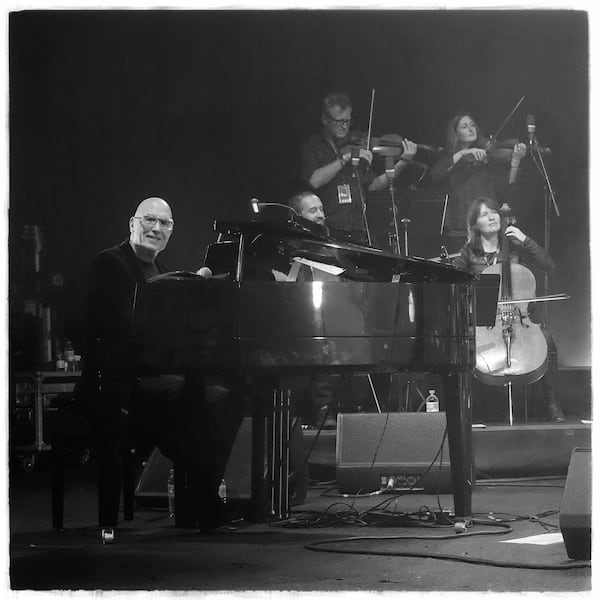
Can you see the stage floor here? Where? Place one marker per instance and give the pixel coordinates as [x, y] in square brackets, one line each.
[518, 548]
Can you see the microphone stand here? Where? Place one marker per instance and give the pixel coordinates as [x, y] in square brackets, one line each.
[549, 197]
[356, 174]
[389, 173]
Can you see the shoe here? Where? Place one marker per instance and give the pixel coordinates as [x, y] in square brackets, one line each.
[555, 412]
[325, 420]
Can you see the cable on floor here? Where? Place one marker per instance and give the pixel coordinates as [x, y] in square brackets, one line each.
[322, 546]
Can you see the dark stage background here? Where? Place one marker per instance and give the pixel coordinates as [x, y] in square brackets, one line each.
[209, 109]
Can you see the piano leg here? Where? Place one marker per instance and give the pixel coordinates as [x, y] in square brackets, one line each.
[271, 433]
[457, 392]
[279, 455]
[260, 416]
[192, 462]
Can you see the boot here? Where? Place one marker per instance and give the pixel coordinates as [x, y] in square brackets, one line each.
[555, 411]
[548, 382]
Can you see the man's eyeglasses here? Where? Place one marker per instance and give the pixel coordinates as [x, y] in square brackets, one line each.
[340, 122]
[151, 221]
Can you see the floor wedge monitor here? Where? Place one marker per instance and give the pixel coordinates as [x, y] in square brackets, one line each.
[395, 451]
[575, 517]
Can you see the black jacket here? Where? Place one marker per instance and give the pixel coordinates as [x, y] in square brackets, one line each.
[116, 283]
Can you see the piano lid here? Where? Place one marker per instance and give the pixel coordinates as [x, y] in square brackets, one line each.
[303, 239]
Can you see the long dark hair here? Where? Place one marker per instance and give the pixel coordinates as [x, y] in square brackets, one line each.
[474, 234]
[452, 144]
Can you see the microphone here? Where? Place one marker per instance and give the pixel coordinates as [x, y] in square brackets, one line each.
[389, 168]
[257, 207]
[531, 132]
[355, 159]
[531, 128]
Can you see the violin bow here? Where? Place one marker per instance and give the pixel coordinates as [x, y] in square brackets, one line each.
[547, 298]
[370, 118]
[512, 112]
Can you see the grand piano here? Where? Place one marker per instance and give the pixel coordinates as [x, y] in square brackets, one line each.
[379, 313]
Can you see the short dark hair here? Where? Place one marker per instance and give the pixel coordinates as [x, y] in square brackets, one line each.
[332, 99]
[295, 201]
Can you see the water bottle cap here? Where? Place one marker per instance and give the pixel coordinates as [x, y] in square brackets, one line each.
[432, 391]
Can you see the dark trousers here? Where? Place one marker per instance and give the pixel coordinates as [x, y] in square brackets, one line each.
[192, 421]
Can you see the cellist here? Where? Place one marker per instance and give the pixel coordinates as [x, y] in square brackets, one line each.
[328, 169]
[483, 249]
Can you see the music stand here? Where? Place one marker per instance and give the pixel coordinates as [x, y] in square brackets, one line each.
[487, 289]
[422, 214]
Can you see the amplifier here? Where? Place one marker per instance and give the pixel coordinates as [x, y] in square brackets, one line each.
[396, 451]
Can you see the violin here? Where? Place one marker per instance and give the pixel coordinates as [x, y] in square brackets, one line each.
[495, 150]
[514, 349]
[499, 151]
[390, 144]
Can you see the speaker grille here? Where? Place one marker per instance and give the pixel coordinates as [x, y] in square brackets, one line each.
[373, 447]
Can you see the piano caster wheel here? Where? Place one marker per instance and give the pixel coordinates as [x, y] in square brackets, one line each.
[460, 527]
[28, 463]
[108, 536]
[84, 457]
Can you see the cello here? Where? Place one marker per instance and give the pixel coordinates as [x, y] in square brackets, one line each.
[514, 349]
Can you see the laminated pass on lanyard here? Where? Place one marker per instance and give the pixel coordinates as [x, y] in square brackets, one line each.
[344, 194]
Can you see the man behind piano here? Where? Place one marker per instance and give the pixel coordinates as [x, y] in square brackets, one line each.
[318, 406]
[309, 206]
[117, 279]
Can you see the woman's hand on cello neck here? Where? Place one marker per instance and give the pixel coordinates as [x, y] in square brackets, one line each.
[514, 233]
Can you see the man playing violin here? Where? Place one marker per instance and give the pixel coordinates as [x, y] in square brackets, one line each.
[330, 168]
[471, 169]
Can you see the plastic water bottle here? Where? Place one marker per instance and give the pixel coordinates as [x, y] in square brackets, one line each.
[61, 363]
[171, 492]
[432, 403]
[223, 491]
[69, 356]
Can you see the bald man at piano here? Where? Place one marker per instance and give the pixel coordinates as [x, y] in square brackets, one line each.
[117, 281]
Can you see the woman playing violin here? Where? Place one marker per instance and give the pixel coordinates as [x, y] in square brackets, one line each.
[327, 167]
[483, 249]
[471, 169]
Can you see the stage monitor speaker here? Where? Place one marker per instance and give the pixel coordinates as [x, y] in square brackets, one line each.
[151, 489]
[575, 519]
[397, 451]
